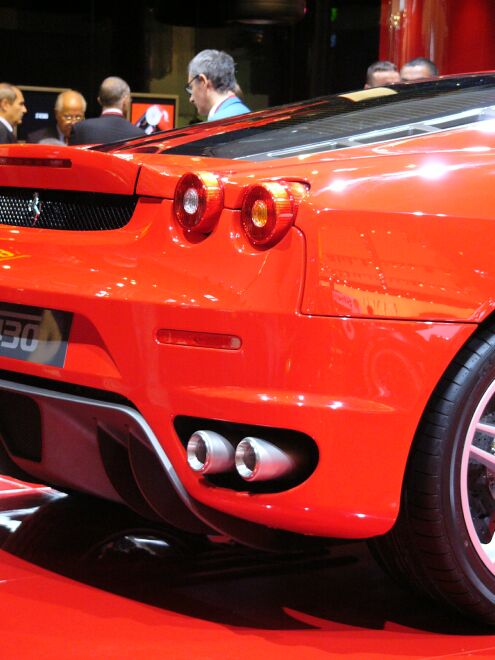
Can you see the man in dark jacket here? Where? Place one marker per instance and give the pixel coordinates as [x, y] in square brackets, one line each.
[12, 110]
[114, 97]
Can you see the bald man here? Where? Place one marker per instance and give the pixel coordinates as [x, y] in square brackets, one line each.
[70, 108]
[114, 97]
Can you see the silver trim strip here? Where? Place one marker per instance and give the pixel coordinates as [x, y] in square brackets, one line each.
[130, 412]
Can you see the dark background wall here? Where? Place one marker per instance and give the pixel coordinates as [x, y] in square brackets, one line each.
[284, 53]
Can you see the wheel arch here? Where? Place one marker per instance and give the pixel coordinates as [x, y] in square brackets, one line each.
[431, 547]
[488, 323]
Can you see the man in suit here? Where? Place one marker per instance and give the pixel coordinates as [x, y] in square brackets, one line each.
[114, 97]
[212, 85]
[70, 108]
[12, 110]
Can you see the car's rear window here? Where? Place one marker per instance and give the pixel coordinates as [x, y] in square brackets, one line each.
[341, 121]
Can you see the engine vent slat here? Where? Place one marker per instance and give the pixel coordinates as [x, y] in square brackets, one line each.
[65, 210]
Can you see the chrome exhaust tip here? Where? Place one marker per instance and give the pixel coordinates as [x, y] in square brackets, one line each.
[209, 452]
[260, 460]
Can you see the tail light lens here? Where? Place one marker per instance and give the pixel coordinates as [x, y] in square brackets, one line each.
[269, 210]
[198, 201]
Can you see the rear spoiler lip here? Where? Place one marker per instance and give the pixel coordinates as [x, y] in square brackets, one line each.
[56, 167]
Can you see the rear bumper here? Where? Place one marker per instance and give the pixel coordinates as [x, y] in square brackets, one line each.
[357, 387]
[342, 383]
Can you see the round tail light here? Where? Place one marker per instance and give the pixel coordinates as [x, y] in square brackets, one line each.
[268, 211]
[198, 201]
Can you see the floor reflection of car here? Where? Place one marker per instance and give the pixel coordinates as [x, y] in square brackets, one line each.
[277, 328]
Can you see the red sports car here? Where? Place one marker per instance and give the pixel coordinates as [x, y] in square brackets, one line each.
[278, 327]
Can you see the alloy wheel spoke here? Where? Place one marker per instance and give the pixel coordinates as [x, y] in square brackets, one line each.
[489, 549]
[484, 457]
[489, 429]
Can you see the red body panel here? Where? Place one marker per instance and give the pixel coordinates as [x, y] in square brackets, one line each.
[89, 171]
[347, 324]
[292, 371]
[398, 237]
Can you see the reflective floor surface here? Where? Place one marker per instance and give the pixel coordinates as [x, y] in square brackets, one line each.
[81, 578]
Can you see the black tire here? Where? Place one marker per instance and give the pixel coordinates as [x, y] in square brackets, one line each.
[439, 544]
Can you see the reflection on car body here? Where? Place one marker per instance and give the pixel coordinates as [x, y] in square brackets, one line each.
[281, 327]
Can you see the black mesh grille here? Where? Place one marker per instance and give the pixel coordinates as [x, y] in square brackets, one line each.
[68, 210]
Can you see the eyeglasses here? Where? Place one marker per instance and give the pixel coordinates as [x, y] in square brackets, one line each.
[72, 117]
[188, 87]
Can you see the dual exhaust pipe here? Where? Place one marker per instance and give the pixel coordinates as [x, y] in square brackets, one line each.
[254, 459]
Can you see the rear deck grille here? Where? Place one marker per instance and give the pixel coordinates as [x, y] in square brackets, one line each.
[67, 210]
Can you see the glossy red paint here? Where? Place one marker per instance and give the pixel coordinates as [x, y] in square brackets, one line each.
[435, 29]
[243, 605]
[344, 325]
[471, 24]
[401, 33]
[10, 487]
[68, 619]
[85, 172]
[123, 287]
[386, 262]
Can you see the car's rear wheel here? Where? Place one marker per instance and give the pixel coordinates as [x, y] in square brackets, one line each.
[443, 542]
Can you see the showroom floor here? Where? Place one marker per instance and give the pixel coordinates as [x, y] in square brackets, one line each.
[73, 589]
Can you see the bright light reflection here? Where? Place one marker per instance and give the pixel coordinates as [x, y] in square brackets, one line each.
[9, 524]
[477, 150]
[339, 185]
[487, 126]
[433, 171]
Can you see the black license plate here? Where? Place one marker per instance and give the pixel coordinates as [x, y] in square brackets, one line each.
[34, 334]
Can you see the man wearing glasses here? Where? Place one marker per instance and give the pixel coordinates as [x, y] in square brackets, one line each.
[70, 108]
[212, 85]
